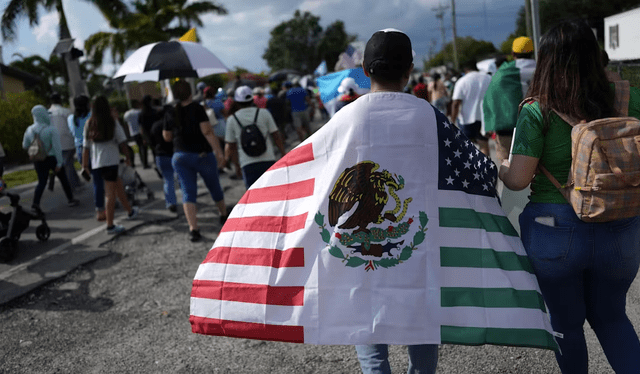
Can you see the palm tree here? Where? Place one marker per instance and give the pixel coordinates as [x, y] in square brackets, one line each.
[151, 22]
[30, 8]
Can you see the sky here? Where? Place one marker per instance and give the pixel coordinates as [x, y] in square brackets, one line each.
[241, 37]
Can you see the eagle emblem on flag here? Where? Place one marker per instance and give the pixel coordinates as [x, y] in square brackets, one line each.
[364, 187]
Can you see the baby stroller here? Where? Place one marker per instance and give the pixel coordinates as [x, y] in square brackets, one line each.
[133, 184]
[14, 223]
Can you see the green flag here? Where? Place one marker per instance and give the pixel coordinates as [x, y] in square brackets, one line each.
[501, 101]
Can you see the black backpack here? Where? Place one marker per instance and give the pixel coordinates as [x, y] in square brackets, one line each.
[253, 142]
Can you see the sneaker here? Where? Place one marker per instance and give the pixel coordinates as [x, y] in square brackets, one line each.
[223, 219]
[134, 212]
[115, 229]
[73, 202]
[194, 235]
[101, 215]
[172, 208]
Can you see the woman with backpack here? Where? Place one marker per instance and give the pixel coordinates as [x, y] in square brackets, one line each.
[196, 151]
[584, 268]
[76, 123]
[43, 144]
[104, 139]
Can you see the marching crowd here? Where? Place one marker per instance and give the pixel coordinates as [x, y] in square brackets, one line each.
[584, 269]
[241, 130]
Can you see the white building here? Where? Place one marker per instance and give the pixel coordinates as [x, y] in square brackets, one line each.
[622, 36]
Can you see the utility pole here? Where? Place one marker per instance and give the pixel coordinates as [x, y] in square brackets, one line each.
[440, 15]
[535, 18]
[453, 23]
[527, 17]
[2, 96]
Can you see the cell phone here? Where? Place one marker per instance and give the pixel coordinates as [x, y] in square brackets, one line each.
[86, 175]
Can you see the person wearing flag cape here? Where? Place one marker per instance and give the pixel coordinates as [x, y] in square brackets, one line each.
[506, 90]
[383, 227]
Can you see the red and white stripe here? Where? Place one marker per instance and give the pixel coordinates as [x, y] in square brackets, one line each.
[222, 302]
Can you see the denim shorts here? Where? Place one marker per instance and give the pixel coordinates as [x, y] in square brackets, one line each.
[188, 165]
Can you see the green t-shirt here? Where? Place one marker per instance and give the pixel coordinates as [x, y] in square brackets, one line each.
[553, 148]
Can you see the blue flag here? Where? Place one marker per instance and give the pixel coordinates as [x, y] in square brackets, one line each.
[321, 69]
[328, 86]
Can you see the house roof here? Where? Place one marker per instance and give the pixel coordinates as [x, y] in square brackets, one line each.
[27, 78]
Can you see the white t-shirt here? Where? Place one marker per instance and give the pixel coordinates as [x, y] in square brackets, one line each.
[105, 153]
[470, 89]
[59, 115]
[132, 116]
[265, 123]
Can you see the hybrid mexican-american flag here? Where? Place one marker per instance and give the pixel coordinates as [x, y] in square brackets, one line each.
[382, 227]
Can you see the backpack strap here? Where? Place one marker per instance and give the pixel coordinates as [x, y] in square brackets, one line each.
[237, 120]
[255, 118]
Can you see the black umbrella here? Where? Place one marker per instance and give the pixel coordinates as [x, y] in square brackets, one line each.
[164, 60]
[282, 75]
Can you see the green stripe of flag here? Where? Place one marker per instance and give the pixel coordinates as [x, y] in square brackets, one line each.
[470, 219]
[491, 298]
[483, 258]
[533, 338]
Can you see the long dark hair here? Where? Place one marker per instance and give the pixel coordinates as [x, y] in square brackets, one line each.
[101, 125]
[81, 104]
[569, 75]
[182, 92]
[147, 105]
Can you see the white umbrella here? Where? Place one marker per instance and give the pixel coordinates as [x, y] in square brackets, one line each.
[164, 60]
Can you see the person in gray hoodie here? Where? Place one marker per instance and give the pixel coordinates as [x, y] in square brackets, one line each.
[54, 161]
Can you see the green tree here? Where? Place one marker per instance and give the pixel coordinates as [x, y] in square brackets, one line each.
[334, 41]
[151, 21]
[301, 44]
[51, 73]
[468, 49]
[554, 11]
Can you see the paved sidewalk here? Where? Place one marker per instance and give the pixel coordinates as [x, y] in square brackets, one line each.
[77, 238]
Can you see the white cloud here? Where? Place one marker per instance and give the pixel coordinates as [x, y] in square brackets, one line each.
[47, 29]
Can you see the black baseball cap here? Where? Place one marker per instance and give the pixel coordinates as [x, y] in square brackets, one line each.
[388, 49]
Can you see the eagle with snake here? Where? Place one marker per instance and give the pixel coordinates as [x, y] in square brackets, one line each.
[363, 184]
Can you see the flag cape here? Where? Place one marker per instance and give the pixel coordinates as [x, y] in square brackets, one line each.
[328, 86]
[503, 96]
[425, 255]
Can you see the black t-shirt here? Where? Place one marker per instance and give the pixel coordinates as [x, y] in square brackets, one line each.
[187, 136]
[147, 119]
[160, 147]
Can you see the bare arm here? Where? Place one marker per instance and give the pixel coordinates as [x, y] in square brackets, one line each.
[277, 139]
[207, 132]
[455, 110]
[124, 149]
[85, 158]
[167, 136]
[519, 174]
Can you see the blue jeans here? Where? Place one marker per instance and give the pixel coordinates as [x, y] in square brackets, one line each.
[374, 358]
[584, 271]
[164, 163]
[42, 170]
[98, 183]
[251, 172]
[188, 165]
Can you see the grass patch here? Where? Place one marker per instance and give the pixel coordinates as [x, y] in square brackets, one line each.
[20, 177]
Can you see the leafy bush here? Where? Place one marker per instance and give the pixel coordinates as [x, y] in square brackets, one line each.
[15, 117]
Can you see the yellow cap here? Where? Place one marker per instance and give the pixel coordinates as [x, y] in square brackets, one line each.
[522, 44]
